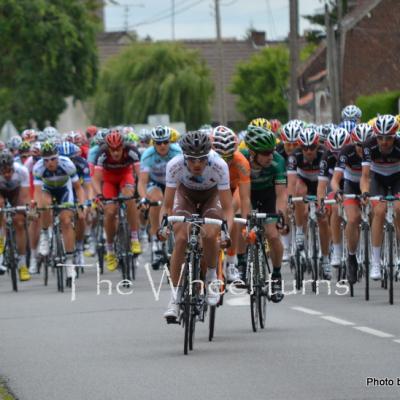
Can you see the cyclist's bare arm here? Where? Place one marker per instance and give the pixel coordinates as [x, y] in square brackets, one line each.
[245, 204]
[336, 179]
[80, 193]
[96, 181]
[24, 195]
[168, 202]
[364, 182]
[321, 189]
[291, 187]
[281, 198]
[142, 186]
[225, 197]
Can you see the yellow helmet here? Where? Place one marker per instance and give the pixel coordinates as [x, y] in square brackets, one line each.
[261, 122]
[175, 135]
[371, 122]
[398, 119]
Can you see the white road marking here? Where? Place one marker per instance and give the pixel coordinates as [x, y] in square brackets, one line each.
[239, 301]
[337, 320]
[374, 332]
[307, 310]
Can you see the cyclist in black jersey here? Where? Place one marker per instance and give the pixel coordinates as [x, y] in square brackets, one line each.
[302, 171]
[289, 135]
[347, 174]
[329, 223]
[381, 176]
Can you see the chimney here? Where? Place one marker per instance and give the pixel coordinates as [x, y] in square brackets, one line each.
[258, 38]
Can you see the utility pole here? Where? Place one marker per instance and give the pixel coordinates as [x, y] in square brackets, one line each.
[173, 20]
[339, 41]
[332, 63]
[221, 75]
[294, 56]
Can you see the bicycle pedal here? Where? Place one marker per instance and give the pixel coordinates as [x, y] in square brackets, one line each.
[172, 320]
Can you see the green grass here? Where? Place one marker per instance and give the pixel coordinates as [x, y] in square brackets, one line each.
[5, 394]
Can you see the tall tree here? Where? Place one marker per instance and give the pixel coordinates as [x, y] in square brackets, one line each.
[261, 84]
[48, 53]
[154, 79]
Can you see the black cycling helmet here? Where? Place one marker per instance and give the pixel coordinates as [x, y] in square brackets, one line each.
[6, 160]
[195, 144]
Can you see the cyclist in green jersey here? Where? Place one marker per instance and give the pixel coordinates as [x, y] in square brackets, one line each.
[268, 192]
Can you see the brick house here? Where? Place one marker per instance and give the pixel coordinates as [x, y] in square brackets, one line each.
[370, 49]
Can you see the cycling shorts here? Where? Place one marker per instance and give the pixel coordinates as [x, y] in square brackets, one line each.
[351, 188]
[64, 194]
[115, 180]
[264, 202]
[311, 185]
[11, 196]
[153, 184]
[203, 202]
[383, 185]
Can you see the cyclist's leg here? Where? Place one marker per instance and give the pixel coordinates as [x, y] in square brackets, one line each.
[300, 212]
[154, 193]
[45, 221]
[353, 214]
[2, 226]
[232, 272]
[336, 235]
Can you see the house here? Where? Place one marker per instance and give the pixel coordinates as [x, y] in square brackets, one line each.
[370, 49]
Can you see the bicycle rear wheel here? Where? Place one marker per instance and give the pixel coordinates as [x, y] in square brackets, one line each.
[390, 236]
[187, 312]
[262, 289]
[11, 262]
[211, 322]
[312, 241]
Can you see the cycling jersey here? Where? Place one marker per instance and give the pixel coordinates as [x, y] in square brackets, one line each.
[327, 165]
[130, 156]
[82, 169]
[349, 163]
[299, 165]
[382, 164]
[268, 177]
[239, 170]
[216, 173]
[65, 172]
[155, 164]
[280, 149]
[19, 178]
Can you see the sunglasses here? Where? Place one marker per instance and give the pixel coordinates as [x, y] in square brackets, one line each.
[162, 142]
[47, 159]
[194, 159]
[309, 148]
[266, 152]
[383, 138]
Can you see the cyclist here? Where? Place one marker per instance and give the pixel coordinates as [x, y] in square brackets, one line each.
[24, 152]
[114, 168]
[196, 180]
[29, 135]
[351, 113]
[381, 176]
[13, 144]
[151, 186]
[324, 131]
[329, 222]
[303, 170]
[348, 168]
[289, 139]
[55, 178]
[14, 188]
[268, 175]
[144, 140]
[225, 143]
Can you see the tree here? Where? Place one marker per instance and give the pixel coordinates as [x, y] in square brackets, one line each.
[319, 17]
[48, 53]
[378, 103]
[261, 84]
[155, 78]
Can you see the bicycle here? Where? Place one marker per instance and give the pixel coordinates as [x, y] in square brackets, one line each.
[192, 301]
[258, 268]
[10, 249]
[122, 243]
[389, 251]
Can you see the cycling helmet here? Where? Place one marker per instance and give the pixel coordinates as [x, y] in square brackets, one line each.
[224, 141]
[131, 137]
[290, 132]
[91, 130]
[14, 142]
[386, 125]
[50, 132]
[361, 133]
[261, 122]
[24, 147]
[29, 135]
[6, 160]
[259, 139]
[175, 135]
[324, 131]
[160, 133]
[308, 137]
[337, 139]
[74, 137]
[349, 125]
[351, 113]
[299, 122]
[207, 128]
[36, 149]
[195, 144]
[2, 145]
[145, 136]
[311, 125]
[114, 139]
[99, 138]
[68, 149]
[48, 149]
[275, 125]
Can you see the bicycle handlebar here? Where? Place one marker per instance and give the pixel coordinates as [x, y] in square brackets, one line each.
[197, 220]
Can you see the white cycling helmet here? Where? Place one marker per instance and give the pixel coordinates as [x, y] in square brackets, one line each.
[224, 141]
[361, 133]
[290, 132]
[386, 125]
[308, 137]
[161, 133]
[337, 139]
[351, 112]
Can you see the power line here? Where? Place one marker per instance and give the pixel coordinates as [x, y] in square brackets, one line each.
[271, 15]
[169, 15]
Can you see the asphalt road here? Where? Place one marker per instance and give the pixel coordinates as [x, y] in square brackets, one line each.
[117, 346]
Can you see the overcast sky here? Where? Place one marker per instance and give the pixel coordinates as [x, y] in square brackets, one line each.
[195, 18]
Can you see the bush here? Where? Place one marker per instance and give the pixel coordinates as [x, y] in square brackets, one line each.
[379, 103]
